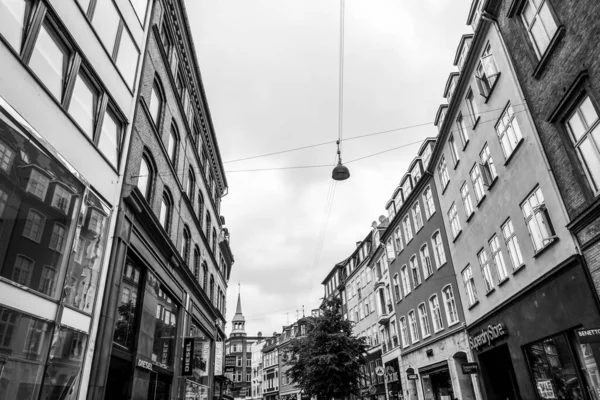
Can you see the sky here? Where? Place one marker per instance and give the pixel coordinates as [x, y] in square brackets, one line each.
[271, 74]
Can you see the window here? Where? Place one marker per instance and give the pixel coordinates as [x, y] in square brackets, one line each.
[173, 144]
[454, 222]
[414, 330]
[450, 305]
[127, 57]
[469, 283]
[487, 72]
[83, 104]
[453, 150]
[165, 211]
[508, 131]
[3, 201]
[407, 187]
[22, 270]
[34, 226]
[61, 198]
[403, 332]
[407, 230]
[191, 187]
[140, 7]
[417, 217]
[13, 21]
[214, 241]
[109, 142]
[498, 258]
[438, 249]
[428, 202]
[472, 108]
[38, 184]
[6, 156]
[585, 132]
[488, 168]
[436, 314]
[426, 156]
[414, 268]
[466, 199]
[485, 270]
[57, 240]
[396, 284]
[398, 239]
[512, 244]
[477, 181]
[49, 61]
[426, 261]
[185, 245]
[156, 104]
[462, 130]
[540, 24]
[389, 247]
[538, 220]
[405, 280]
[145, 178]
[416, 172]
[197, 263]
[443, 172]
[106, 23]
[48, 280]
[165, 38]
[424, 320]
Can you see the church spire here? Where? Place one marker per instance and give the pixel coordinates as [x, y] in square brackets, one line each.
[239, 321]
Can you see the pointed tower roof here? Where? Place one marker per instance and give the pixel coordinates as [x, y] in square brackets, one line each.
[239, 317]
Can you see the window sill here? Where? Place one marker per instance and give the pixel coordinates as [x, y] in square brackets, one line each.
[476, 122]
[480, 201]
[430, 215]
[510, 156]
[546, 247]
[489, 292]
[465, 145]
[409, 241]
[473, 305]
[445, 262]
[438, 331]
[427, 277]
[470, 216]
[419, 230]
[541, 66]
[489, 95]
[518, 269]
[493, 183]
[457, 321]
[503, 281]
[426, 337]
[445, 187]
[456, 164]
[457, 236]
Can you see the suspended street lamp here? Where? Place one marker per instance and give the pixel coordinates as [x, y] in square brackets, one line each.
[340, 172]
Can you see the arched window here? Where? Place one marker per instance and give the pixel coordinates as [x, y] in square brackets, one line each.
[211, 293]
[404, 332]
[450, 305]
[191, 187]
[436, 313]
[146, 177]
[197, 263]
[208, 227]
[200, 208]
[165, 210]
[438, 249]
[424, 320]
[412, 324]
[414, 269]
[156, 103]
[204, 276]
[214, 241]
[173, 143]
[405, 280]
[426, 261]
[185, 244]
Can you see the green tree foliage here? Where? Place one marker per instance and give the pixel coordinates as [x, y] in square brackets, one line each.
[327, 361]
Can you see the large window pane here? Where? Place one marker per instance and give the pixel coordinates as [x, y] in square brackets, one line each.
[38, 214]
[25, 341]
[12, 21]
[128, 310]
[127, 58]
[49, 61]
[109, 138]
[140, 7]
[165, 328]
[81, 282]
[106, 22]
[83, 105]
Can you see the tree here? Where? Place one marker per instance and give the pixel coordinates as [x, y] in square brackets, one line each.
[327, 362]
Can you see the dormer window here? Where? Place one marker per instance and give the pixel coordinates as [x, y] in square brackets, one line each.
[61, 199]
[416, 172]
[391, 212]
[477, 15]
[463, 53]
[6, 157]
[407, 187]
[426, 156]
[38, 184]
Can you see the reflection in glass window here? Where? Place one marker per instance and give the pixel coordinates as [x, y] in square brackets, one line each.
[3, 201]
[127, 59]
[48, 281]
[49, 61]
[109, 138]
[34, 226]
[165, 327]
[106, 23]
[57, 240]
[6, 156]
[61, 198]
[128, 310]
[38, 184]
[83, 105]
[155, 105]
[12, 21]
[22, 270]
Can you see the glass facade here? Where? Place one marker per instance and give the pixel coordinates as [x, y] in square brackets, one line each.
[128, 309]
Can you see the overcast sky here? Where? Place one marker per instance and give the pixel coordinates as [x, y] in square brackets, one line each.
[271, 70]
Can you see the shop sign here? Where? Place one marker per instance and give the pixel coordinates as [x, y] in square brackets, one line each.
[412, 377]
[372, 390]
[379, 371]
[545, 389]
[487, 336]
[140, 363]
[219, 358]
[470, 368]
[391, 377]
[364, 392]
[195, 391]
[229, 363]
[588, 335]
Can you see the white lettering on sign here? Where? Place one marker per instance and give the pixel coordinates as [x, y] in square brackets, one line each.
[589, 332]
[144, 364]
[487, 336]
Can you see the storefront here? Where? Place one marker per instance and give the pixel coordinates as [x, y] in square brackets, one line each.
[372, 386]
[531, 349]
[392, 379]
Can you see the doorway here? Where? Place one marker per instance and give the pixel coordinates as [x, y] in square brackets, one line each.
[437, 385]
[498, 374]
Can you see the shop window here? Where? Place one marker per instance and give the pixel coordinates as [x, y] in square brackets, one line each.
[128, 310]
[165, 327]
[49, 60]
[553, 369]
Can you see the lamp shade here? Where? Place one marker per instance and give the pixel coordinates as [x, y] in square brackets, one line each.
[340, 173]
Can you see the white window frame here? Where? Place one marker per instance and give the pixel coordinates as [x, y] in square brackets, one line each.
[414, 271]
[509, 132]
[424, 321]
[398, 239]
[405, 278]
[438, 249]
[436, 313]
[413, 327]
[486, 271]
[461, 128]
[407, 229]
[469, 283]
[488, 168]
[487, 72]
[550, 27]
[404, 332]
[512, 244]
[453, 150]
[498, 258]
[28, 233]
[477, 182]
[428, 202]
[454, 221]
[443, 172]
[426, 261]
[537, 219]
[417, 216]
[466, 199]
